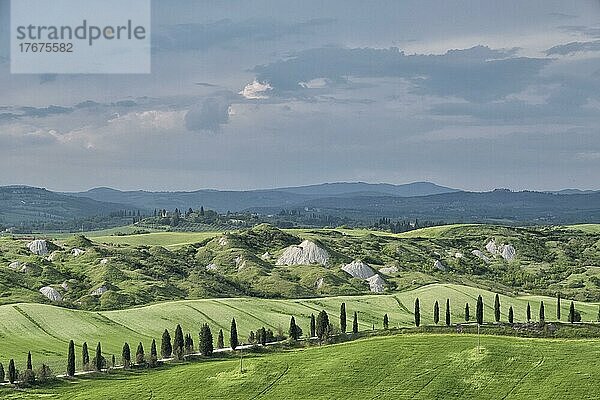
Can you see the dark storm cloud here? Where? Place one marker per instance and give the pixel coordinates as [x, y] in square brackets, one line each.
[566, 101]
[478, 73]
[208, 116]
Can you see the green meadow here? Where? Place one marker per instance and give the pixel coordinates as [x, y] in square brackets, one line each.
[45, 330]
[408, 367]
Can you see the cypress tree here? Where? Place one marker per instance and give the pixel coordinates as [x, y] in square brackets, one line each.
[294, 329]
[71, 359]
[126, 355]
[112, 362]
[140, 357]
[313, 326]
[322, 325]
[343, 318]
[436, 313]
[189, 344]
[165, 345]
[598, 319]
[447, 312]
[29, 365]
[220, 342]
[205, 345]
[542, 313]
[233, 336]
[85, 356]
[497, 308]
[178, 343]
[417, 313]
[511, 315]
[528, 312]
[558, 306]
[12, 371]
[355, 323]
[572, 312]
[99, 360]
[2, 373]
[479, 311]
[153, 354]
[386, 322]
[467, 315]
[262, 336]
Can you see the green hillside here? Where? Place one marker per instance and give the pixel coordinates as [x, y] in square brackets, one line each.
[416, 367]
[45, 330]
[109, 272]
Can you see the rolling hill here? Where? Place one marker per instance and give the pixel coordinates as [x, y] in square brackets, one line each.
[23, 205]
[416, 367]
[49, 328]
[500, 206]
[266, 262]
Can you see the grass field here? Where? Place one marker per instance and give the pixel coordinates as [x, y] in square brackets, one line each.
[410, 367]
[588, 228]
[165, 239]
[45, 330]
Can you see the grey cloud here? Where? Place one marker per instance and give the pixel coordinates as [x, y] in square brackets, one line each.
[226, 32]
[565, 103]
[478, 73]
[43, 111]
[208, 116]
[45, 78]
[573, 47]
[582, 29]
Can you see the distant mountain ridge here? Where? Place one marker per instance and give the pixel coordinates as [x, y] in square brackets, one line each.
[355, 201]
[231, 200]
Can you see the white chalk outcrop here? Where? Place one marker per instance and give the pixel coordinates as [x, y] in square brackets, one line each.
[212, 267]
[100, 291]
[104, 261]
[14, 265]
[240, 263]
[319, 283]
[51, 293]
[376, 283]
[38, 247]
[491, 247]
[358, 269]
[506, 251]
[388, 270]
[479, 254]
[305, 253]
[438, 265]
[77, 252]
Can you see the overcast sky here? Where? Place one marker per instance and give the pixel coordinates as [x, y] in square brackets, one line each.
[254, 94]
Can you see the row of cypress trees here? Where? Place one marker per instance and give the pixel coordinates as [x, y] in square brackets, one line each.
[320, 327]
[574, 315]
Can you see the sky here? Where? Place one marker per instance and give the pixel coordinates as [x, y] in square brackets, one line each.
[251, 94]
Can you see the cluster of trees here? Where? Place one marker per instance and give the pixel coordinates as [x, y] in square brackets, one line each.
[26, 377]
[574, 315]
[386, 224]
